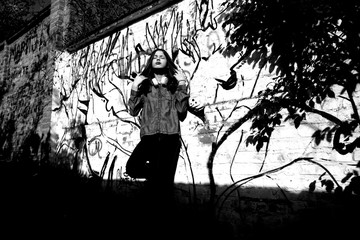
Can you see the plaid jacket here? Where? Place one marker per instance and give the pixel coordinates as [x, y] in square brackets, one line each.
[161, 111]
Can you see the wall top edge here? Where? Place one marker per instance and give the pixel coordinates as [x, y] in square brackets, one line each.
[120, 24]
[32, 22]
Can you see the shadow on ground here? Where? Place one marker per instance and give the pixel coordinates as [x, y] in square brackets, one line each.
[55, 203]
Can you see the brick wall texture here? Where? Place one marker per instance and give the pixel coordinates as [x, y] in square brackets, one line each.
[26, 89]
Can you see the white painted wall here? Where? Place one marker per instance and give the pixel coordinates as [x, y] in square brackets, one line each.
[92, 86]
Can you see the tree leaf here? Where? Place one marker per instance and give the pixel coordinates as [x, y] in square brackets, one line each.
[312, 186]
[317, 136]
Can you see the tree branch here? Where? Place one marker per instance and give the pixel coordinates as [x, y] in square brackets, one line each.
[216, 145]
[248, 179]
[325, 115]
[353, 104]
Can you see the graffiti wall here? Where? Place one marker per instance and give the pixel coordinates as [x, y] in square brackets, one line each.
[91, 120]
[26, 90]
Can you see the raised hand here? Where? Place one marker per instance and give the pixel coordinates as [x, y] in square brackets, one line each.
[181, 77]
[137, 81]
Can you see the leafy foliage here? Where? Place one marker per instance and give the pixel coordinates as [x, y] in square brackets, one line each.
[312, 49]
[310, 46]
[14, 15]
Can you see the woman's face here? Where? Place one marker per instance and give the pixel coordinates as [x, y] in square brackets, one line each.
[159, 61]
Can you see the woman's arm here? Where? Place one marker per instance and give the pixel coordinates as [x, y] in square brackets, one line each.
[181, 95]
[136, 101]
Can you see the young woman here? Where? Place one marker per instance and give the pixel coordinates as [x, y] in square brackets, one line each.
[159, 94]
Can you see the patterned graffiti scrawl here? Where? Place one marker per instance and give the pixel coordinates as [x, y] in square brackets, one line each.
[93, 84]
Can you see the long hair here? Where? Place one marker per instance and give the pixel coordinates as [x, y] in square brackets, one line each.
[169, 72]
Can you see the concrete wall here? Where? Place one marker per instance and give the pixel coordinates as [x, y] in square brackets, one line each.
[91, 88]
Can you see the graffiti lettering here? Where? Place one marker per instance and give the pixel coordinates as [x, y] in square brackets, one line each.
[30, 44]
[95, 146]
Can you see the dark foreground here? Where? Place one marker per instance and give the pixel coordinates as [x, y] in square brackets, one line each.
[54, 203]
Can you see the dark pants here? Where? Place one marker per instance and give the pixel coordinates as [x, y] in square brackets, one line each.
[155, 158]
